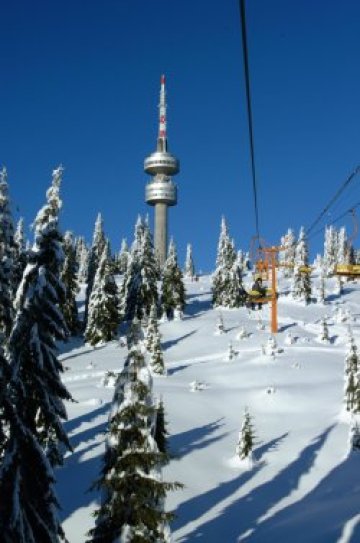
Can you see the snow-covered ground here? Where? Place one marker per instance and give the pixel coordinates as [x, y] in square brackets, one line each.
[303, 486]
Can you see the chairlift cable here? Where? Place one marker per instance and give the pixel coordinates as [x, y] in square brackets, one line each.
[249, 111]
[333, 199]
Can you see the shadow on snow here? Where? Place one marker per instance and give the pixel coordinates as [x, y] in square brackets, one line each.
[243, 514]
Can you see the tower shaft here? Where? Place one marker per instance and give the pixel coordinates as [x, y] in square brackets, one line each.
[161, 229]
[161, 191]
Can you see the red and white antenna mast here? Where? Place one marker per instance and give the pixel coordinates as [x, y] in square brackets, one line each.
[162, 138]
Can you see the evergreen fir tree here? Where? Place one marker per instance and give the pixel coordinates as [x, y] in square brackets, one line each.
[173, 290]
[7, 249]
[139, 286]
[69, 279]
[227, 290]
[324, 334]
[156, 357]
[131, 483]
[34, 390]
[220, 328]
[134, 333]
[355, 436]
[245, 444]
[342, 254]
[82, 259]
[123, 257]
[161, 433]
[189, 271]
[152, 328]
[20, 254]
[97, 248]
[103, 319]
[322, 289]
[330, 250]
[287, 255]
[301, 288]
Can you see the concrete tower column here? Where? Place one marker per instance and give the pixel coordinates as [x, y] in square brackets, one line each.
[161, 191]
[161, 229]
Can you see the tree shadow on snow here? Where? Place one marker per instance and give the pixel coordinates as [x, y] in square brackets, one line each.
[92, 350]
[72, 424]
[324, 511]
[197, 506]
[197, 307]
[171, 371]
[197, 438]
[75, 480]
[168, 344]
[243, 514]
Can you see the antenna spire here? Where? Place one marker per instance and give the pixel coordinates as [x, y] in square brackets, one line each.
[162, 138]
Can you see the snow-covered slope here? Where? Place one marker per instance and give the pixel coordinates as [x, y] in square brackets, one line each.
[303, 485]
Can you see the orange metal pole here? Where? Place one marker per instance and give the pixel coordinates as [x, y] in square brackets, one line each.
[274, 319]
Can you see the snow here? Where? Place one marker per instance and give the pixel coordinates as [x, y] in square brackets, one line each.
[301, 474]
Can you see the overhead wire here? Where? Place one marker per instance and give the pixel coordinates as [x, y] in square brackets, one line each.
[333, 199]
[249, 112]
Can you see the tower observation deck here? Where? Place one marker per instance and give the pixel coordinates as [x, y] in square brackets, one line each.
[161, 191]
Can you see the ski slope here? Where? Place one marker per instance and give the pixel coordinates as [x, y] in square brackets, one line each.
[303, 485]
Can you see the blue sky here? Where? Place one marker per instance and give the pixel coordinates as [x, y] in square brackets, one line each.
[80, 86]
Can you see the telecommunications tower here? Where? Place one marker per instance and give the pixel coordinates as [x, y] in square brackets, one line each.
[161, 191]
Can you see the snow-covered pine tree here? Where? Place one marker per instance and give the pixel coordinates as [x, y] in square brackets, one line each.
[36, 378]
[173, 290]
[219, 327]
[134, 334]
[324, 333]
[152, 327]
[287, 255]
[342, 255]
[133, 491]
[189, 270]
[28, 514]
[322, 288]
[97, 248]
[34, 390]
[157, 364]
[20, 254]
[226, 279]
[82, 259]
[301, 287]
[160, 431]
[123, 257]
[69, 279]
[103, 318]
[352, 376]
[330, 250]
[244, 447]
[354, 435]
[7, 250]
[139, 287]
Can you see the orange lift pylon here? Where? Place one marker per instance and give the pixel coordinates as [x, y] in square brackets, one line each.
[270, 254]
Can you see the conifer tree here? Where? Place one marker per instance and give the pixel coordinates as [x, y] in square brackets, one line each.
[34, 392]
[227, 290]
[6, 258]
[20, 255]
[189, 270]
[219, 327]
[352, 381]
[330, 250]
[103, 319]
[342, 254]
[82, 259]
[301, 288]
[132, 487]
[173, 290]
[134, 334]
[123, 257]
[97, 248]
[245, 444]
[324, 334]
[322, 288]
[161, 433]
[287, 255]
[152, 328]
[157, 364]
[69, 279]
[139, 286]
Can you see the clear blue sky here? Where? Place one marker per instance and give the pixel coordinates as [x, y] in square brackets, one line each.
[80, 86]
